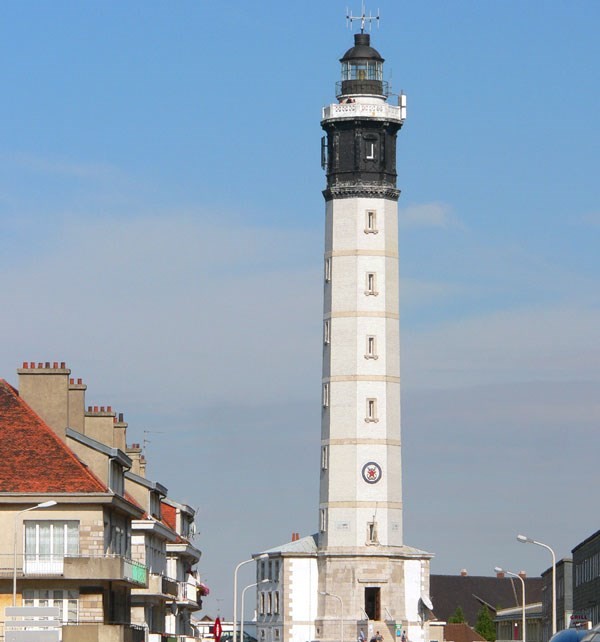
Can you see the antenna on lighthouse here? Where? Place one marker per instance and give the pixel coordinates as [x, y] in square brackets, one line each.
[364, 18]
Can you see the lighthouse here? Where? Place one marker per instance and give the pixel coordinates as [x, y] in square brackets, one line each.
[355, 578]
[365, 570]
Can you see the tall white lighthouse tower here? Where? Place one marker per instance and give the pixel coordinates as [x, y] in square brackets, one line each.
[356, 577]
[369, 580]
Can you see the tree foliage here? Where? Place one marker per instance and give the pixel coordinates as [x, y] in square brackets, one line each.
[485, 624]
[458, 617]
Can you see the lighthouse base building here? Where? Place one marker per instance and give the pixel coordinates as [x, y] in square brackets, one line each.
[355, 579]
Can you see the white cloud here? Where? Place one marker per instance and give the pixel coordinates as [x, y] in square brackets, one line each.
[58, 166]
[552, 343]
[427, 215]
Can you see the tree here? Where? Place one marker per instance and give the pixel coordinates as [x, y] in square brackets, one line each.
[485, 625]
[458, 617]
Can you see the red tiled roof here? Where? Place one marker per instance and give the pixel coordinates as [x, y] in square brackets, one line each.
[169, 516]
[34, 459]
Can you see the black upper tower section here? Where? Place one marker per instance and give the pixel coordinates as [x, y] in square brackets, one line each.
[360, 147]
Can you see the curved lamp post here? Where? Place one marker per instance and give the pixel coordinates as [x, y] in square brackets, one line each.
[527, 540]
[235, 574]
[47, 504]
[337, 597]
[523, 624]
[242, 611]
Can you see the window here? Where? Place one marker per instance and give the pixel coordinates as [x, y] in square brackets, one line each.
[269, 604]
[261, 602]
[323, 520]
[371, 411]
[371, 222]
[328, 269]
[326, 332]
[118, 535]
[370, 150]
[276, 631]
[325, 395]
[67, 602]
[47, 543]
[371, 352]
[275, 577]
[324, 457]
[155, 504]
[116, 481]
[276, 603]
[372, 533]
[371, 284]
[262, 631]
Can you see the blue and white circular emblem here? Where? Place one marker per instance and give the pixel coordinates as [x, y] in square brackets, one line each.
[371, 472]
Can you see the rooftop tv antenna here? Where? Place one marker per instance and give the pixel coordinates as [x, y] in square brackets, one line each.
[364, 18]
[149, 441]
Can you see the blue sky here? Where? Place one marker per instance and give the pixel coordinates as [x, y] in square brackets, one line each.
[162, 231]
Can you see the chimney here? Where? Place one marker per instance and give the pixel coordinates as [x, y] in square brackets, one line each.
[120, 432]
[463, 572]
[500, 575]
[134, 452]
[523, 575]
[77, 405]
[98, 424]
[45, 389]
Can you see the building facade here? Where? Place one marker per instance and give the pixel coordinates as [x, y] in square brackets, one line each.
[83, 529]
[364, 578]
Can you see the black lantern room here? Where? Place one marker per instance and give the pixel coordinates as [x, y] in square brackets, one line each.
[362, 70]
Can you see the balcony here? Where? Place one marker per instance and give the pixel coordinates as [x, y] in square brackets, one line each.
[379, 111]
[159, 585]
[113, 568]
[189, 593]
[94, 632]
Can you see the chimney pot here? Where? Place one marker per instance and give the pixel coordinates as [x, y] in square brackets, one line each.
[89, 409]
[25, 364]
[101, 408]
[109, 409]
[62, 365]
[121, 417]
[55, 364]
[79, 381]
[47, 364]
[463, 572]
[40, 365]
[71, 380]
[95, 408]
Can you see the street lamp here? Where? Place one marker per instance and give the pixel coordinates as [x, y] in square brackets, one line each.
[337, 597]
[237, 568]
[242, 613]
[502, 570]
[527, 540]
[47, 504]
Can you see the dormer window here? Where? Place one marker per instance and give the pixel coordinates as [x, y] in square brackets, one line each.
[116, 480]
[155, 504]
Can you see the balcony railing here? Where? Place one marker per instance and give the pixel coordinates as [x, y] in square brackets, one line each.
[189, 592]
[96, 632]
[99, 567]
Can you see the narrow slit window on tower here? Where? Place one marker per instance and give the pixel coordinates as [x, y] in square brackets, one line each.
[325, 395]
[370, 149]
[371, 411]
[328, 269]
[327, 332]
[371, 284]
[324, 457]
[371, 348]
[371, 222]
[372, 533]
[323, 520]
